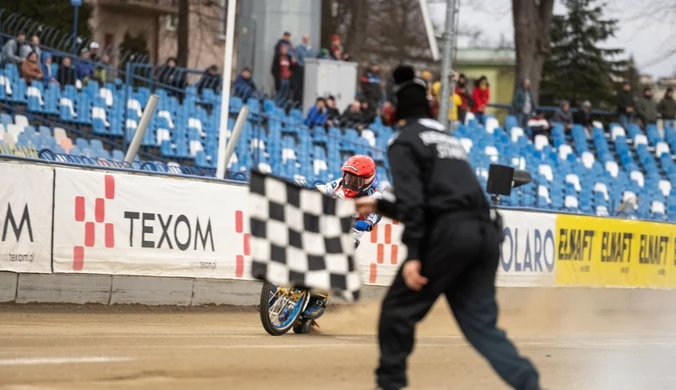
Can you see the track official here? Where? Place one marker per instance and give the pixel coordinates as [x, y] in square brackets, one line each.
[453, 244]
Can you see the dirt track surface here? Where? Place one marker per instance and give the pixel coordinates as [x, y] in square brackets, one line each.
[135, 347]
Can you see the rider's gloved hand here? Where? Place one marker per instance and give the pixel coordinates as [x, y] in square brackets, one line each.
[363, 226]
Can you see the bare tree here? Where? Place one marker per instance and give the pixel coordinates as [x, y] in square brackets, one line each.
[532, 37]
[651, 11]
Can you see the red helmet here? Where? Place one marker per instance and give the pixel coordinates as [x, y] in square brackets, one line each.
[358, 174]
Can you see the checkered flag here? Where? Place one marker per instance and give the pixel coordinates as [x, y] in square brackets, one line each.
[301, 238]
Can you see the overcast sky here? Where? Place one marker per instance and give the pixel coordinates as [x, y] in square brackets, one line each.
[643, 37]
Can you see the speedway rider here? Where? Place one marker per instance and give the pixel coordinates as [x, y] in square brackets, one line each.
[359, 179]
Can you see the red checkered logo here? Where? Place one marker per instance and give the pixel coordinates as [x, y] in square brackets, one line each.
[385, 248]
[90, 221]
[246, 248]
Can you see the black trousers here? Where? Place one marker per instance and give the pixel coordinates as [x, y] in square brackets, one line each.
[460, 261]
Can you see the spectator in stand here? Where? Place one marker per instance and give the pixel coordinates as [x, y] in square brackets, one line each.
[583, 116]
[168, 74]
[66, 74]
[30, 69]
[332, 115]
[523, 104]
[104, 71]
[564, 116]
[667, 108]
[625, 105]
[210, 80]
[318, 114]
[303, 51]
[10, 51]
[84, 69]
[371, 86]
[336, 49]
[427, 78]
[481, 95]
[352, 117]
[94, 51]
[282, 68]
[537, 124]
[284, 41]
[368, 112]
[27, 47]
[455, 102]
[465, 97]
[245, 87]
[46, 67]
[646, 108]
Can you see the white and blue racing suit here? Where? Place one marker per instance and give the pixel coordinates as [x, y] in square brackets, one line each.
[335, 189]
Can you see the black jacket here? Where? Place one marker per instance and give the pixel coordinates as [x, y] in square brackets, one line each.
[431, 176]
[624, 99]
[583, 118]
[66, 75]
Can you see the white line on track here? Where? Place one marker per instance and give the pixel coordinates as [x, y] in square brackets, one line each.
[66, 360]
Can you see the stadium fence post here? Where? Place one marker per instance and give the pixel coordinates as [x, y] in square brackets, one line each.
[236, 132]
[141, 129]
[225, 90]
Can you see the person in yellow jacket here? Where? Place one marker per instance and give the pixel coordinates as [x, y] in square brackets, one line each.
[455, 102]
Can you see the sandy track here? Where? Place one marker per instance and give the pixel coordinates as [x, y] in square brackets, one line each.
[135, 347]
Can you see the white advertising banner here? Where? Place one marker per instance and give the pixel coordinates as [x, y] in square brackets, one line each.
[113, 223]
[528, 252]
[26, 218]
[527, 258]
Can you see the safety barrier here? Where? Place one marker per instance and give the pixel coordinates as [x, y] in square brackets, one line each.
[64, 220]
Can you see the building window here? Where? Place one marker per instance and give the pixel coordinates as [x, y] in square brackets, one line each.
[171, 22]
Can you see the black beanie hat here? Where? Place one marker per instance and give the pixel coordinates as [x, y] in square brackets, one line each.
[410, 94]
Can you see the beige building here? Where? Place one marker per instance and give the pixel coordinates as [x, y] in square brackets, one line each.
[157, 21]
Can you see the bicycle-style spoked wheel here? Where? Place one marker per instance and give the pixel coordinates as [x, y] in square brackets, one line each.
[281, 307]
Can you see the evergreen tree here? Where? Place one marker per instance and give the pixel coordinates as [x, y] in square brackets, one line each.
[632, 75]
[578, 68]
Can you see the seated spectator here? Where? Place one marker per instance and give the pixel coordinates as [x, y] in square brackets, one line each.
[10, 51]
[336, 49]
[168, 74]
[332, 115]
[352, 117]
[30, 69]
[46, 67]
[29, 46]
[245, 87]
[66, 75]
[667, 108]
[537, 124]
[583, 116]
[368, 112]
[318, 114]
[104, 71]
[646, 108]
[564, 116]
[84, 69]
[94, 51]
[210, 80]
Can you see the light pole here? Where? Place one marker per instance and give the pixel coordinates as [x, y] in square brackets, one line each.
[76, 4]
[447, 63]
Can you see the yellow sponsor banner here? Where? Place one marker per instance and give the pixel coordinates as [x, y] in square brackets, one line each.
[608, 252]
